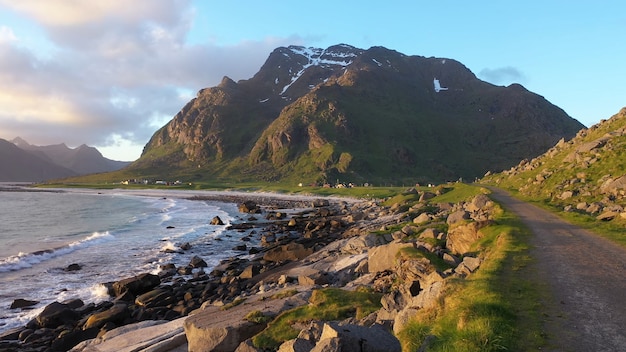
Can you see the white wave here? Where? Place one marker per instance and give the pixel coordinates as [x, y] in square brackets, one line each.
[27, 260]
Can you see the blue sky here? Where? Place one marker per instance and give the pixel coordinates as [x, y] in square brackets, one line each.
[109, 73]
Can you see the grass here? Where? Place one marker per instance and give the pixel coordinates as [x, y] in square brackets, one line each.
[325, 304]
[232, 304]
[494, 309]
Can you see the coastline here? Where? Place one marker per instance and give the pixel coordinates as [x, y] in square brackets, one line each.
[328, 243]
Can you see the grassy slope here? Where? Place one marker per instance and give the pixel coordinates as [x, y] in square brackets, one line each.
[493, 309]
[584, 178]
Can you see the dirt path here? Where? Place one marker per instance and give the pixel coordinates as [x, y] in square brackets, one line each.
[586, 275]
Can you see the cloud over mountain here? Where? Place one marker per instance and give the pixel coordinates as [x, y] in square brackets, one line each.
[103, 72]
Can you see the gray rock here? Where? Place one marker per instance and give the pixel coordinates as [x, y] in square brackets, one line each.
[457, 216]
[296, 345]
[136, 285]
[360, 338]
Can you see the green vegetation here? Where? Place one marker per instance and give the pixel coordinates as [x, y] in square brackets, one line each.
[580, 166]
[325, 304]
[284, 294]
[256, 316]
[494, 309]
[232, 304]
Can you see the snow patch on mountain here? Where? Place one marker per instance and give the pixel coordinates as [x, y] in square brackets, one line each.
[340, 55]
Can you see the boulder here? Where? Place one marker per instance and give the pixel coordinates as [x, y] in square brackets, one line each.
[429, 233]
[156, 298]
[290, 251]
[468, 265]
[250, 271]
[22, 303]
[56, 314]
[461, 238]
[249, 206]
[137, 284]
[73, 267]
[296, 345]
[426, 196]
[116, 314]
[360, 338]
[385, 257]
[315, 278]
[197, 262]
[207, 335]
[457, 217]
[217, 221]
[607, 216]
[422, 218]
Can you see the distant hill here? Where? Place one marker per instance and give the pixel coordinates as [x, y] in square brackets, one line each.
[22, 161]
[18, 165]
[353, 115]
[586, 174]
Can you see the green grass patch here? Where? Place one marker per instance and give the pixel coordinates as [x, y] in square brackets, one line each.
[325, 304]
[494, 309]
[459, 192]
[284, 294]
[433, 258]
[256, 316]
[232, 304]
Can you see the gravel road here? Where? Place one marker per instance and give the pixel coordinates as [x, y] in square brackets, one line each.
[586, 276]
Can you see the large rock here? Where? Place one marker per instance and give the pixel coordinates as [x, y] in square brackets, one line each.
[355, 338]
[137, 284]
[56, 314]
[22, 303]
[457, 217]
[385, 257]
[296, 345]
[249, 206]
[290, 251]
[156, 298]
[461, 238]
[206, 336]
[116, 314]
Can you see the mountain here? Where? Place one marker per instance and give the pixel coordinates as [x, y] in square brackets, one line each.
[18, 165]
[586, 174]
[82, 159]
[354, 115]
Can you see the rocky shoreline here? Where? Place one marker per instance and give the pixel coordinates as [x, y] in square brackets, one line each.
[406, 253]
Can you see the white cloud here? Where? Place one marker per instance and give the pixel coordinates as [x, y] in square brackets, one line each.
[119, 70]
[7, 35]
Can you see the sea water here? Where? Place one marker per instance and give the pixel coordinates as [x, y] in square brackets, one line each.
[110, 234]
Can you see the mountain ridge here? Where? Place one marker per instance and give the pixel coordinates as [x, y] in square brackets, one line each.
[374, 115]
[25, 162]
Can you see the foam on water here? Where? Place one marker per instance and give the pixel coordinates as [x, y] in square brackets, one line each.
[27, 260]
[128, 235]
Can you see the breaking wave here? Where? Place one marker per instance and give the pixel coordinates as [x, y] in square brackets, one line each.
[27, 260]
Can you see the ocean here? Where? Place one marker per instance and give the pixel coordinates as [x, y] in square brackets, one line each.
[110, 234]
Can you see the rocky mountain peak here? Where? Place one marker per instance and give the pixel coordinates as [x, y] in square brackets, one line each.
[316, 114]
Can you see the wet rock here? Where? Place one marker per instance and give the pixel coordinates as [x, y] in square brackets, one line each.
[197, 262]
[217, 221]
[116, 314]
[56, 314]
[136, 285]
[73, 267]
[156, 298]
[249, 206]
[22, 303]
